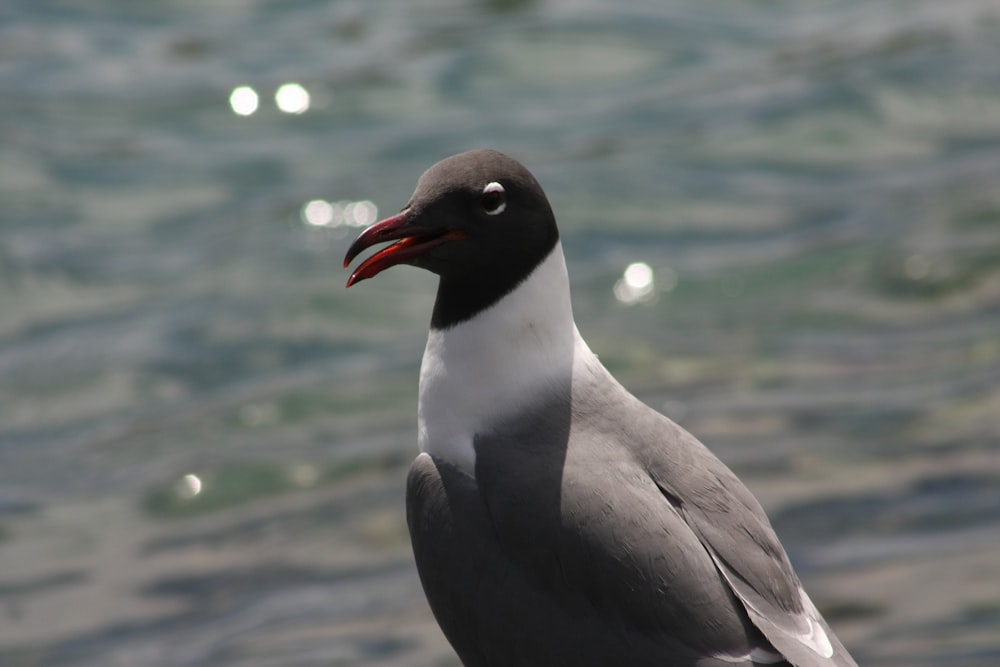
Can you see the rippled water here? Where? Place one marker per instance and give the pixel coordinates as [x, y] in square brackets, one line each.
[203, 436]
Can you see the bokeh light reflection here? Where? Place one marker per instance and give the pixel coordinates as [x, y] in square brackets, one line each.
[637, 284]
[321, 213]
[318, 213]
[360, 213]
[292, 98]
[244, 100]
[188, 486]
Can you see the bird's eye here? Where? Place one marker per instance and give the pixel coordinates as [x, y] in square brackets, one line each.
[494, 199]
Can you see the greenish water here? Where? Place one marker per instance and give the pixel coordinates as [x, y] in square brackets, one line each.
[203, 436]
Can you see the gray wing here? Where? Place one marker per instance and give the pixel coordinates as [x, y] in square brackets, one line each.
[503, 597]
[735, 531]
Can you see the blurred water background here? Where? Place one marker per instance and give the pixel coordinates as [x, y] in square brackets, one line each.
[782, 222]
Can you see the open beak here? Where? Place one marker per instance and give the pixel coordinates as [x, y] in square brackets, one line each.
[411, 241]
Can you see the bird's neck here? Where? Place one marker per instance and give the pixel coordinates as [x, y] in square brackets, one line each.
[487, 368]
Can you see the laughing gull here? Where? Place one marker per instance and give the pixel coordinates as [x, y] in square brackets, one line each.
[556, 519]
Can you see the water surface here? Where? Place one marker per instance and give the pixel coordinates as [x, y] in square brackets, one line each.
[203, 436]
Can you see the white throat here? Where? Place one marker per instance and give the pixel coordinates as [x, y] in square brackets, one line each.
[493, 365]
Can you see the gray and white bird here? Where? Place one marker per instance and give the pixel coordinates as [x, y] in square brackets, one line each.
[556, 519]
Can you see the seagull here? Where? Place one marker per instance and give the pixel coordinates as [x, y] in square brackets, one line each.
[555, 519]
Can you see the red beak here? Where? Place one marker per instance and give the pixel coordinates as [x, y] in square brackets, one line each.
[411, 242]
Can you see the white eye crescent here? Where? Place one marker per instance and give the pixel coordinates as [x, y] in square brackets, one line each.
[494, 198]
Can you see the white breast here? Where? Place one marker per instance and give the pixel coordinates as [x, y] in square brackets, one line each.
[491, 366]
